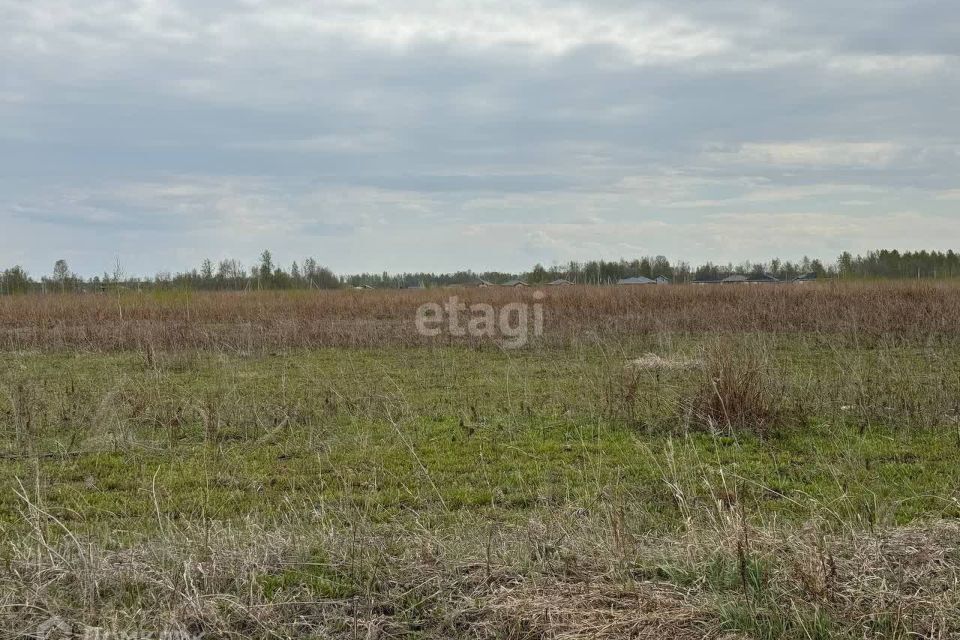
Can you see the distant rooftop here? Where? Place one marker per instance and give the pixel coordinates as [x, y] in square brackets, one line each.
[734, 279]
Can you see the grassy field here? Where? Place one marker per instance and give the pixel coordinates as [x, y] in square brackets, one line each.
[792, 471]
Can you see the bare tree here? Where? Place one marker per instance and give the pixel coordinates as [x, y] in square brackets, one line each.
[61, 273]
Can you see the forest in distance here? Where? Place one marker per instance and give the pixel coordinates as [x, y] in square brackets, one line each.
[267, 273]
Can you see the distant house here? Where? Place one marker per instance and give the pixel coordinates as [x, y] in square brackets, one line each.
[734, 279]
[515, 283]
[762, 278]
[363, 287]
[662, 280]
[805, 278]
[759, 278]
[561, 282]
[480, 282]
[636, 280]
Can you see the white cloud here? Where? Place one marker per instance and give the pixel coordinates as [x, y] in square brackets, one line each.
[351, 142]
[12, 97]
[542, 28]
[814, 153]
[891, 64]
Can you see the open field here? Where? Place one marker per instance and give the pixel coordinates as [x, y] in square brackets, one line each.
[671, 462]
[248, 322]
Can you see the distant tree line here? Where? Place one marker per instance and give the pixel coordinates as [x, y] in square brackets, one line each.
[894, 264]
[231, 275]
[225, 275]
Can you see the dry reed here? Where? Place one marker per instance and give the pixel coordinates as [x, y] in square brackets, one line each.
[271, 320]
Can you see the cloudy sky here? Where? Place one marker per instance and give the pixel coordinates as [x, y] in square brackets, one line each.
[435, 135]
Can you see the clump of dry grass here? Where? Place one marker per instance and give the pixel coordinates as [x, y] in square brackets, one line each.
[741, 391]
[585, 610]
[654, 362]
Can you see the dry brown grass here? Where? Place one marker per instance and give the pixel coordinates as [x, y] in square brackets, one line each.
[268, 320]
[741, 391]
[719, 578]
[585, 610]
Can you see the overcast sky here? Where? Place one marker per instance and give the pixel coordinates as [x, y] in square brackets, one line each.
[415, 135]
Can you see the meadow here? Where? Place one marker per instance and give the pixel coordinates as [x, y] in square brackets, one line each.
[663, 462]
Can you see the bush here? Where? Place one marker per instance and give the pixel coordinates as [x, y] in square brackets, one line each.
[740, 391]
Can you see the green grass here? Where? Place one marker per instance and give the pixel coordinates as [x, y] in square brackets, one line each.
[503, 471]
[435, 432]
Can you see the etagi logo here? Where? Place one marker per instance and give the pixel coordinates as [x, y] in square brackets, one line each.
[512, 324]
[56, 628]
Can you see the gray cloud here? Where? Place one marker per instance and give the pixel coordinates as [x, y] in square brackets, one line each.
[379, 135]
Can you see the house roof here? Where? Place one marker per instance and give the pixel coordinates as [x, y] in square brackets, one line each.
[515, 283]
[756, 278]
[559, 282]
[806, 276]
[636, 280]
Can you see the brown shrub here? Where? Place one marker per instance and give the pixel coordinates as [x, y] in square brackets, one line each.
[741, 391]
